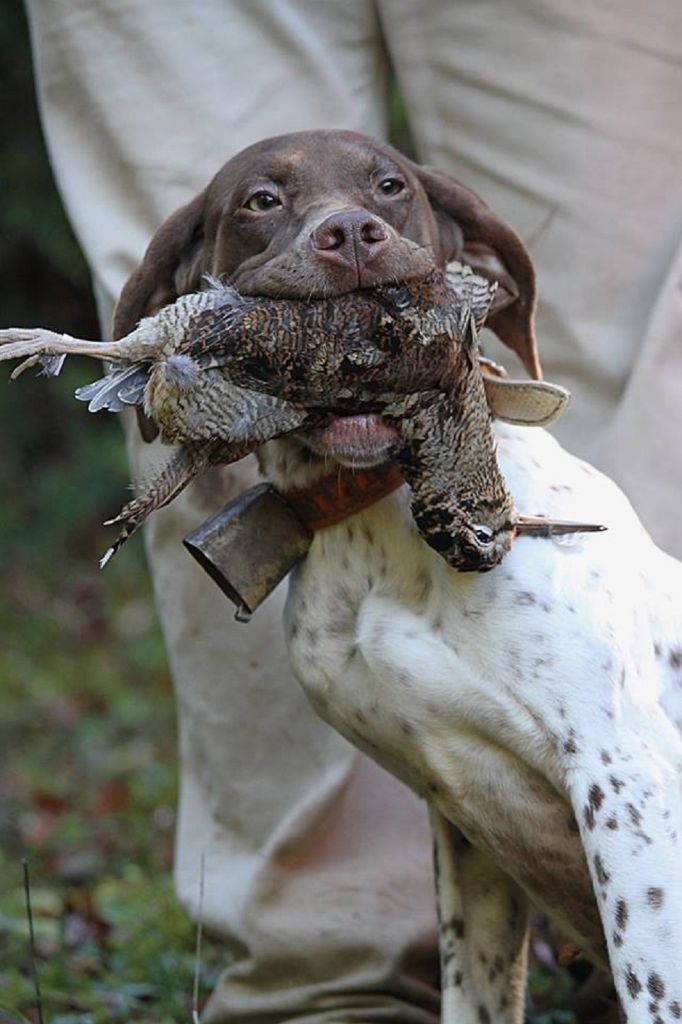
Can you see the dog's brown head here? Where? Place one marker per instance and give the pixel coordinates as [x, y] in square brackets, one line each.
[326, 212]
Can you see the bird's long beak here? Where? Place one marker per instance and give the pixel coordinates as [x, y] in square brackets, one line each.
[542, 526]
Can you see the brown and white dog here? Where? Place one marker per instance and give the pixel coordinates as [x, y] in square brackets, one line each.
[537, 708]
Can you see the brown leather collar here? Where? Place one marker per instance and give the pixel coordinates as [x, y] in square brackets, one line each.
[342, 494]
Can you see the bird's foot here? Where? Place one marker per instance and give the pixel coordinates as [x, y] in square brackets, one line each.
[38, 345]
[34, 345]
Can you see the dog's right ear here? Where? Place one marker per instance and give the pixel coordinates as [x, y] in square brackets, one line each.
[171, 266]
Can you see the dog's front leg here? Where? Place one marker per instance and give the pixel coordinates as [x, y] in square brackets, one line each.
[482, 917]
[628, 810]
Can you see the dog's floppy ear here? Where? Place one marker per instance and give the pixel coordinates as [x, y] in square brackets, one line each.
[171, 266]
[472, 233]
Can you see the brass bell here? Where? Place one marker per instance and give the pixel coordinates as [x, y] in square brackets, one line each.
[250, 546]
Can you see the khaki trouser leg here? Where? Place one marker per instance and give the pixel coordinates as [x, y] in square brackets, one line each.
[567, 118]
[317, 862]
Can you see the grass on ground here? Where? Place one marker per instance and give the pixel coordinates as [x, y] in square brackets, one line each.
[87, 734]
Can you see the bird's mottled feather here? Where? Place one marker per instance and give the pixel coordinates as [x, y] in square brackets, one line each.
[221, 373]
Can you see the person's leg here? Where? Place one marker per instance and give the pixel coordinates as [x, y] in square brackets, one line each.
[567, 118]
[318, 869]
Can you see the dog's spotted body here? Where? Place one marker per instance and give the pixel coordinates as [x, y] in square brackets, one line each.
[537, 708]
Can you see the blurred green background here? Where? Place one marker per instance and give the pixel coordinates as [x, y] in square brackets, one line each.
[88, 778]
[87, 733]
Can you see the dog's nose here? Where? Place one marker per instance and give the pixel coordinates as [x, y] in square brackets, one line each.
[353, 239]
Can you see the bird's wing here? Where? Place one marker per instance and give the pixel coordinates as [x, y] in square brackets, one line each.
[223, 411]
[475, 294]
[120, 388]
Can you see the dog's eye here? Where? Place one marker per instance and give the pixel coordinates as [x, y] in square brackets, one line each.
[483, 534]
[391, 186]
[262, 201]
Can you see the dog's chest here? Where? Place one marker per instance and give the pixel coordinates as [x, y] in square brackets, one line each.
[382, 644]
[390, 647]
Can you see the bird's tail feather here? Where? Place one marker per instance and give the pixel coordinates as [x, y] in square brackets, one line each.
[121, 387]
[163, 488]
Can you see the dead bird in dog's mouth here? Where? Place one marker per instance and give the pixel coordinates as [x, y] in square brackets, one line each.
[220, 374]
